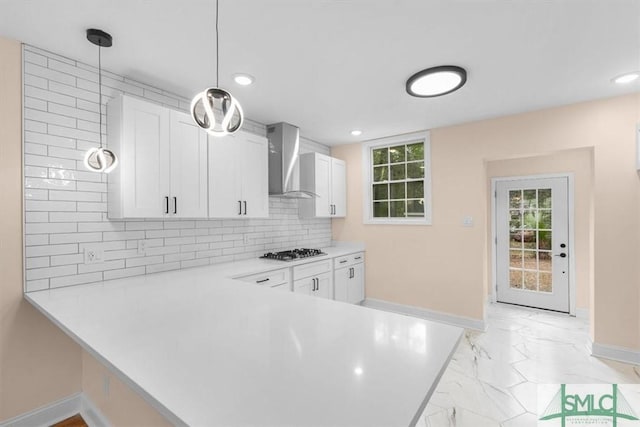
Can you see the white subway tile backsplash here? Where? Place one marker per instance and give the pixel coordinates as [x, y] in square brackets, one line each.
[77, 279]
[66, 205]
[67, 259]
[74, 237]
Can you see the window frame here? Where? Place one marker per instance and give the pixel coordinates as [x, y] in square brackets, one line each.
[367, 178]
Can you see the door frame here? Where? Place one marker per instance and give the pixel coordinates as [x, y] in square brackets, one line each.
[571, 213]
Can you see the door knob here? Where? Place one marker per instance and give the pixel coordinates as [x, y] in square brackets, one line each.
[563, 245]
[562, 255]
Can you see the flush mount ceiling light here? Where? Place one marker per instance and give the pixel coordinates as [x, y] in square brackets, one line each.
[215, 109]
[626, 78]
[100, 159]
[243, 79]
[436, 81]
[356, 132]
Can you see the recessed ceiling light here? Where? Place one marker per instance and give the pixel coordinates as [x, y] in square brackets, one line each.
[436, 81]
[243, 79]
[356, 132]
[626, 78]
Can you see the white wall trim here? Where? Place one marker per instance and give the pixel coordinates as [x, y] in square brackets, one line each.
[60, 410]
[571, 230]
[613, 352]
[451, 319]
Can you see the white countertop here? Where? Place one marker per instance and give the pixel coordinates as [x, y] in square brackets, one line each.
[206, 350]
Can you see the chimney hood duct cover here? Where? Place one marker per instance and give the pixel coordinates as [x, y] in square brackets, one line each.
[284, 147]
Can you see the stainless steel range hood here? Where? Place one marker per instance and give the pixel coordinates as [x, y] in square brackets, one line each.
[284, 147]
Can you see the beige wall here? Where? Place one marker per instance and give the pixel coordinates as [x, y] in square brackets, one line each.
[121, 405]
[444, 267]
[578, 162]
[38, 363]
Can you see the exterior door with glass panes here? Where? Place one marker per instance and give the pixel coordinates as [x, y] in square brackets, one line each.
[532, 231]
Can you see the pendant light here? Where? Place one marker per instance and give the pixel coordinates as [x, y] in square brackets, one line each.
[207, 106]
[100, 159]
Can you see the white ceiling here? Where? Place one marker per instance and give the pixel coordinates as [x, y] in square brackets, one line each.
[330, 66]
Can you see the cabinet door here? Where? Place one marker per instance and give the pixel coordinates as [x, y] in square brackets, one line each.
[340, 284]
[304, 286]
[323, 186]
[255, 176]
[324, 286]
[188, 168]
[355, 287]
[225, 177]
[145, 158]
[339, 187]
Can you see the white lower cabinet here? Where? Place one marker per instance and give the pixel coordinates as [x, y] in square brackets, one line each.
[349, 278]
[314, 278]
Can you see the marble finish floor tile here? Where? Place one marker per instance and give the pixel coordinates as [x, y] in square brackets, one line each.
[493, 376]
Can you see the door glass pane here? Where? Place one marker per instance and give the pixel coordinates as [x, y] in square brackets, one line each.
[529, 199]
[515, 279]
[515, 223]
[515, 240]
[531, 280]
[515, 199]
[529, 260]
[544, 240]
[545, 220]
[544, 198]
[515, 259]
[544, 261]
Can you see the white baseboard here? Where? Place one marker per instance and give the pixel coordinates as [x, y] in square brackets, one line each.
[60, 410]
[582, 313]
[620, 354]
[451, 319]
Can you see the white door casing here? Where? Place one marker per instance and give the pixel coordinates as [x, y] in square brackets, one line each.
[532, 232]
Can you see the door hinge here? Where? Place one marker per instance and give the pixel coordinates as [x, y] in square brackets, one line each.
[495, 194]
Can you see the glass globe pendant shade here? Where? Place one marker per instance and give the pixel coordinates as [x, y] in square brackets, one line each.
[217, 111]
[100, 160]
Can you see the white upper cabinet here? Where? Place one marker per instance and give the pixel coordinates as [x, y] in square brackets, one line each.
[188, 160]
[238, 176]
[162, 170]
[326, 177]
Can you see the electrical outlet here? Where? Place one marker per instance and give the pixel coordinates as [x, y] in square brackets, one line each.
[467, 221]
[93, 255]
[142, 247]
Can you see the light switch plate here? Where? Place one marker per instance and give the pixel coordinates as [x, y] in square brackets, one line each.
[467, 221]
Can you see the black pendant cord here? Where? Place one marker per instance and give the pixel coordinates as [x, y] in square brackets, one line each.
[217, 49]
[100, 89]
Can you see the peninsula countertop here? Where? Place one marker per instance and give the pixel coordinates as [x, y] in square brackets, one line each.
[207, 350]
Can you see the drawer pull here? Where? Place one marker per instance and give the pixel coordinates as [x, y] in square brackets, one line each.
[358, 257]
[263, 280]
[343, 261]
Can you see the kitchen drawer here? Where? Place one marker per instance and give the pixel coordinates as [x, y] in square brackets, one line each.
[311, 269]
[348, 260]
[270, 278]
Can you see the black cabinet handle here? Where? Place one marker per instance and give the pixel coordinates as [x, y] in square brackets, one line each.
[343, 261]
[358, 257]
[166, 204]
[239, 207]
[263, 280]
[245, 207]
[175, 205]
